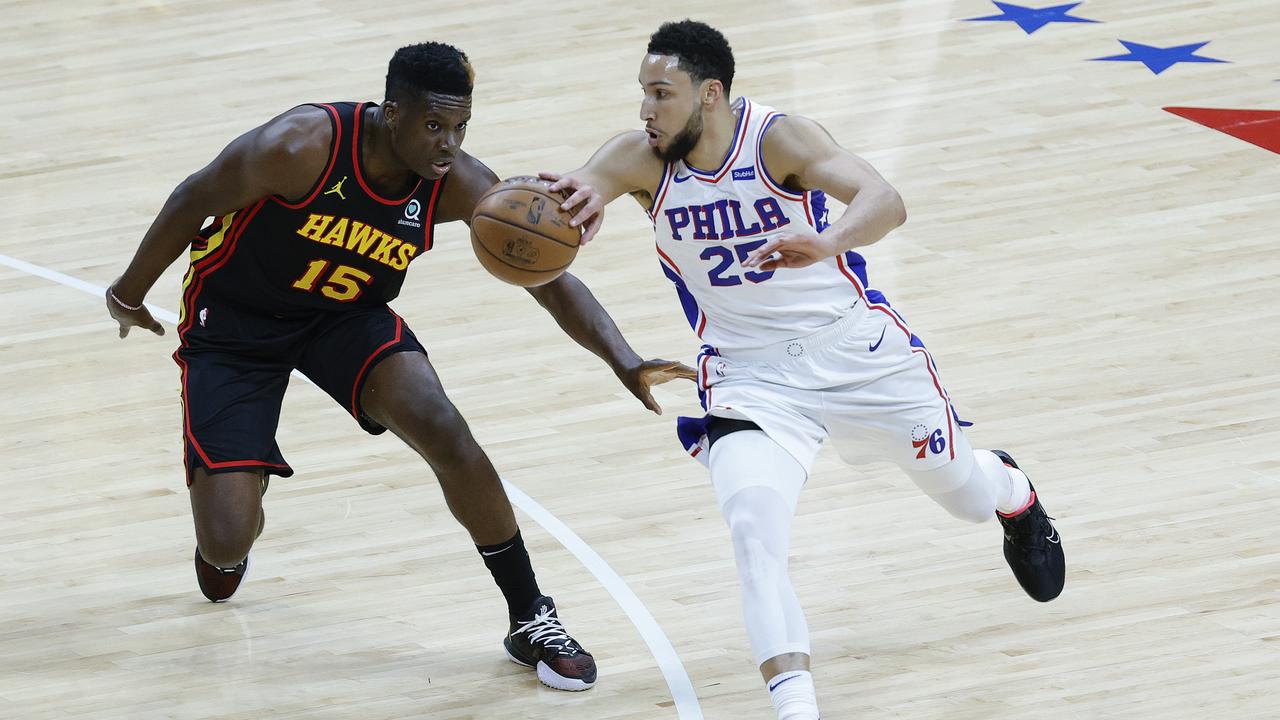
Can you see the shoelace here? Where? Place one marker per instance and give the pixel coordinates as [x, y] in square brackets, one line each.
[545, 628]
[1034, 532]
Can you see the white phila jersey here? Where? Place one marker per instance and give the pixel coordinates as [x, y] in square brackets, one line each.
[707, 222]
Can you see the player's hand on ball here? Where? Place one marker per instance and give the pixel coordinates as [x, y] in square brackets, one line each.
[129, 318]
[641, 378]
[590, 204]
[792, 249]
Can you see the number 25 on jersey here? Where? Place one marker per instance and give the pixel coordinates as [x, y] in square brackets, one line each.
[724, 258]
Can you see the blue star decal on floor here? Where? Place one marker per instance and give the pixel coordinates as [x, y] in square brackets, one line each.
[1158, 59]
[1032, 19]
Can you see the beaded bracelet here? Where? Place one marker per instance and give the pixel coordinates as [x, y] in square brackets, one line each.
[122, 303]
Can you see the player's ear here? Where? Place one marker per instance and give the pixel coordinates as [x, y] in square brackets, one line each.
[712, 90]
[391, 113]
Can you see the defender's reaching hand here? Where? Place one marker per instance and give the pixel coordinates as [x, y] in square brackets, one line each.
[641, 378]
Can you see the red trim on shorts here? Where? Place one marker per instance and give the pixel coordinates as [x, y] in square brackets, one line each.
[706, 382]
[191, 438]
[198, 274]
[355, 387]
[937, 384]
[928, 359]
[333, 160]
[355, 162]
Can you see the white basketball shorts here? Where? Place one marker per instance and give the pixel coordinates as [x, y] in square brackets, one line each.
[865, 381]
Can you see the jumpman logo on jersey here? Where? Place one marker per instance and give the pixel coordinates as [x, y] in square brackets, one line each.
[337, 188]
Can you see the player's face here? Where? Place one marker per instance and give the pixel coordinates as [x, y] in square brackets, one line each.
[671, 113]
[428, 132]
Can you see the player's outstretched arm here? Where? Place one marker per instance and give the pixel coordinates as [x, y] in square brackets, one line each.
[566, 298]
[622, 165]
[803, 156]
[582, 318]
[283, 157]
[465, 184]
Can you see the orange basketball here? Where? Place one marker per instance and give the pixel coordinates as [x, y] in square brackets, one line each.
[521, 235]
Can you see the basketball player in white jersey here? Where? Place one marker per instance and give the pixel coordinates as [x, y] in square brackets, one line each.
[797, 347]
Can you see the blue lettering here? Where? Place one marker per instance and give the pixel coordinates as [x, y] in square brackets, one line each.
[737, 221]
[937, 443]
[722, 207]
[704, 224]
[771, 214]
[677, 218]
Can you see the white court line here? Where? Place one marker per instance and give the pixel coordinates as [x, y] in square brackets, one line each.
[686, 700]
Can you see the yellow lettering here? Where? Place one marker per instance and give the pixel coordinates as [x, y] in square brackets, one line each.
[337, 234]
[406, 253]
[385, 246]
[361, 237]
[315, 227]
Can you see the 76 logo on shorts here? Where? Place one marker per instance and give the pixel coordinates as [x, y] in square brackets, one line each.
[925, 441]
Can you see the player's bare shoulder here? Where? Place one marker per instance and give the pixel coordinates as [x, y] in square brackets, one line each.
[284, 156]
[466, 182]
[297, 143]
[790, 144]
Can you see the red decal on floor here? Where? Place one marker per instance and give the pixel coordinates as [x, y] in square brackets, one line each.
[1258, 127]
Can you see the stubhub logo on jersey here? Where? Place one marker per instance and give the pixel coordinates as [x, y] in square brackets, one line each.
[713, 220]
[746, 173]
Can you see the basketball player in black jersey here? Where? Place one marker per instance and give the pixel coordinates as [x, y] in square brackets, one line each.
[318, 214]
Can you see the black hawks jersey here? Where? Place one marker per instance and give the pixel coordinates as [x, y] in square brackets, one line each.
[343, 245]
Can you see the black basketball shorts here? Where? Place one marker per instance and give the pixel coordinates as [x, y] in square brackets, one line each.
[235, 363]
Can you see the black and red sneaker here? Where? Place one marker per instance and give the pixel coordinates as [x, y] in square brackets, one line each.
[217, 583]
[538, 640]
[1033, 547]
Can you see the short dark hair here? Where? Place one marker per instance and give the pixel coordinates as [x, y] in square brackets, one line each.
[701, 50]
[416, 70]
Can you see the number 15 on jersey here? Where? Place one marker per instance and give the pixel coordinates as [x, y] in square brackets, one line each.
[344, 284]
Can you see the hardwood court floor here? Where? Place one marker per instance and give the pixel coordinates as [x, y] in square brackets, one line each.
[1095, 276]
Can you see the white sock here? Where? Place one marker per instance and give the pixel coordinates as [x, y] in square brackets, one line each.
[1015, 492]
[793, 695]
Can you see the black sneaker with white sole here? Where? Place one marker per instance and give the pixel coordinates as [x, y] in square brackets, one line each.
[1033, 547]
[538, 640]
